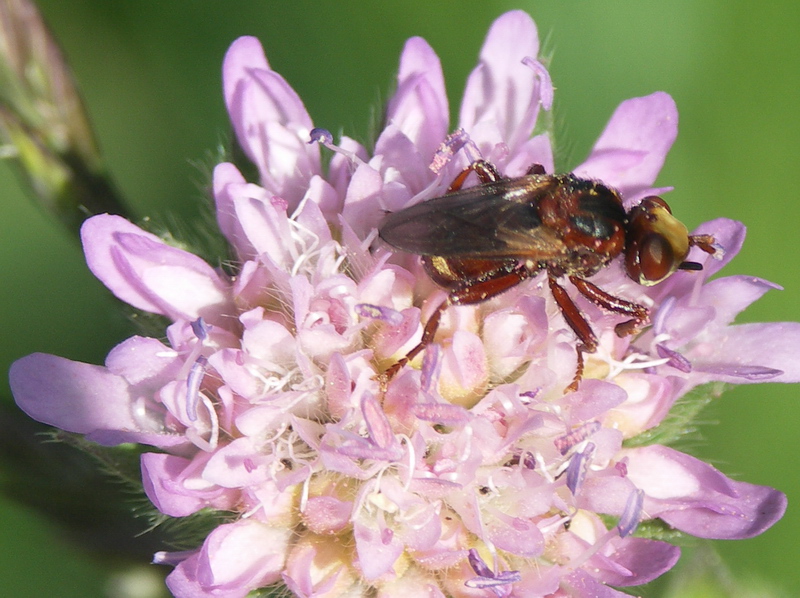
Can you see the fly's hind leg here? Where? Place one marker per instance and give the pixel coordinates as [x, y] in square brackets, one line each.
[467, 293]
[428, 334]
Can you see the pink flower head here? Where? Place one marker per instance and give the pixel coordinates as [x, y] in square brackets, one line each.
[472, 473]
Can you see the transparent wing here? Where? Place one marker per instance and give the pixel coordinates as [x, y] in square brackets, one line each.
[495, 221]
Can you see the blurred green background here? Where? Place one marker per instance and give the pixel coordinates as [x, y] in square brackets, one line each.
[150, 74]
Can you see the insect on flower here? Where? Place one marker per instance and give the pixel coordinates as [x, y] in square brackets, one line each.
[480, 241]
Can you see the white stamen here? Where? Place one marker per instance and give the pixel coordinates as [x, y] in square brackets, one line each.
[194, 436]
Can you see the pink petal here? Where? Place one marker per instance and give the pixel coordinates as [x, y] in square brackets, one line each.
[377, 551]
[728, 234]
[159, 468]
[697, 499]
[340, 168]
[238, 465]
[264, 223]
[378, 426]
[85, 399]
[365, 202]
[147, 273]
[322, 196]
[76, 397]
[579, 584]
[501, 99]
[244, 54]
[649, 400]
[317, 570]
[327, 514]
[634, 144]
[419, 106]
[593, 399]
[267, 341]
[401, 159]
[173, 486]
[465, 369]
[606, 494]
[733, 355]
[733, 294]
[227, 178]
[146, 363]
[227, 363]
[182, 582]
[644, 559]
[513, 534]
[270, 120]
[412, 583]
[235, 559]
[754, 511]
[536, 150]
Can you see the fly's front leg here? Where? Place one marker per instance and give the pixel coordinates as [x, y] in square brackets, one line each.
[536, 169]
[638, 313]
[579, 325]
[486, 172]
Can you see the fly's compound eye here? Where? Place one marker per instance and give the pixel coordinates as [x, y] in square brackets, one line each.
[656, 244]
[655, 259]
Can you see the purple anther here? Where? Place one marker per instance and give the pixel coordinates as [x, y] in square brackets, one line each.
[453, 143]
[632, 514]
[498, 583]
[321, 136]
[200, 329]
[378, 312]
[528, 461]
[529, 395]
[478, 564]
[447, 149]
[193, 382]
[676, 360]
[576, 470]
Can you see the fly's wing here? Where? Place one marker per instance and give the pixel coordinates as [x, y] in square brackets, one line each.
[492, 221]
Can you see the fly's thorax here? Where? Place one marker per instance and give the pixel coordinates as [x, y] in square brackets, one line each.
[589, 219]
[580, 262]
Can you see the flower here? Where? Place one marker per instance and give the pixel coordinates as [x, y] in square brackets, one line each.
[470, 474]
